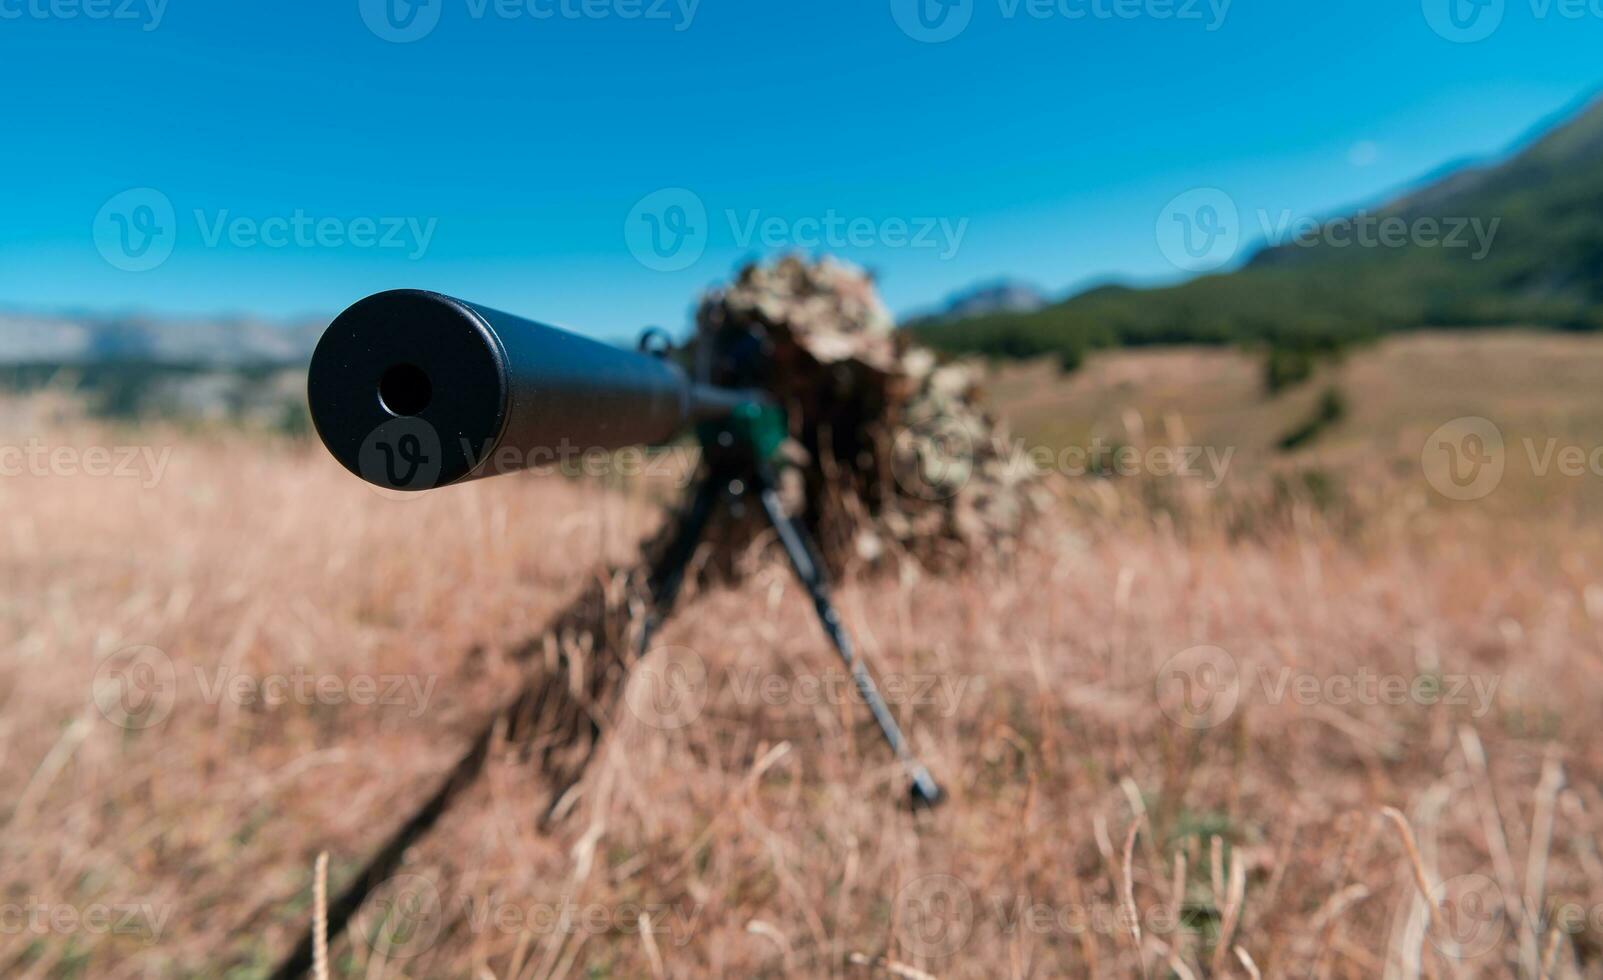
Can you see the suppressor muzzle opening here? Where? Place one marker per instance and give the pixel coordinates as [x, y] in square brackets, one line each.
[409, 389]
[405, 390]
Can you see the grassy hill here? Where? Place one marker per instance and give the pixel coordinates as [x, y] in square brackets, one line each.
[1542, 266]
[1538, 388]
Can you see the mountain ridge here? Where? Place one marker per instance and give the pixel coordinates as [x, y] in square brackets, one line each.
[77, 338]
[1540, 206]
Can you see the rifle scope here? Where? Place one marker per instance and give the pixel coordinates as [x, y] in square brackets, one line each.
[412, 390]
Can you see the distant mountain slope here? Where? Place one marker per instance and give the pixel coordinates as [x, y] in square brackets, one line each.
[1541, 265]
[999, 296]
[66, 339]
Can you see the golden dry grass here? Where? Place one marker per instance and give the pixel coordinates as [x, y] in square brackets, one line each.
[1530, 383]
[766, 835]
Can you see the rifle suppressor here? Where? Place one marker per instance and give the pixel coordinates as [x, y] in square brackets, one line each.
[412, 390]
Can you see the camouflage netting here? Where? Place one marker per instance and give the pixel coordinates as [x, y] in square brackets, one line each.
[894, 456]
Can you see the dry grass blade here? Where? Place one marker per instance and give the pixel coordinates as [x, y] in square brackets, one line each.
[647, 940]
[1338, 903]
[1177, 888]
[1543, 810]
[1127, 869]
[1416, 865]
[50, 767]
[899, 970]
[1231, 913]
[320, 918]
[1177, 965]
[1491, 819]
[1216, 870]
[1555, 941]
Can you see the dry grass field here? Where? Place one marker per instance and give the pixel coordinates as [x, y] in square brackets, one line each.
[1536, 386]
[1263, 729]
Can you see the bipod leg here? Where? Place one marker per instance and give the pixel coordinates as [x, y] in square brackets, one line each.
[668, 573]
[804, 562]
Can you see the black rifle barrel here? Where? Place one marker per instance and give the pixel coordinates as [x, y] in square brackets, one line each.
[413, 390]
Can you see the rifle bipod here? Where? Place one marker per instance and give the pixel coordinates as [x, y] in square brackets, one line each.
[734, 477]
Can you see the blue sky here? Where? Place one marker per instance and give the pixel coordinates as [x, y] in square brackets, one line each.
[595, 163]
